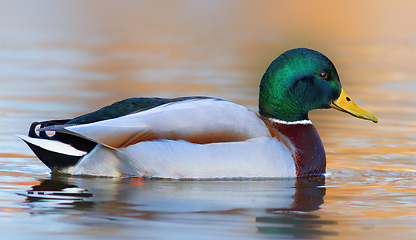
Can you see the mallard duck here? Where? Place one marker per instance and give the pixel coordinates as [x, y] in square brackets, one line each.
[204, 137]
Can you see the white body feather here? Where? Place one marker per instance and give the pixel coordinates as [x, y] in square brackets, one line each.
[259, 155]
[254, 158]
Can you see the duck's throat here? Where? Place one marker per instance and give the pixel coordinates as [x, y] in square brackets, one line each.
[308, 151]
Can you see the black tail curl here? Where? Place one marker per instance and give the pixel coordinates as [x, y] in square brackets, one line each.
[54, 160]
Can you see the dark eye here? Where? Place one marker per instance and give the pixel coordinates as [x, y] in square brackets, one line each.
[323, 75]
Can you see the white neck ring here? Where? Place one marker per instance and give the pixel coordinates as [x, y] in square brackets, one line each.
[303, 122]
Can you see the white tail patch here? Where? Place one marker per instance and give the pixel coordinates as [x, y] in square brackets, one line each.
[53, 146]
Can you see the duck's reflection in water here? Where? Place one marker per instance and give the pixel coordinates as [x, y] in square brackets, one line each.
[281, 207]
[297, 221]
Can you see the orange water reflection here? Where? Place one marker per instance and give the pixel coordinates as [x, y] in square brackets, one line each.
[61, 59]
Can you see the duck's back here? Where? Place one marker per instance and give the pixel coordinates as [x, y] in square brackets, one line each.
[194, 120]
[127, 106]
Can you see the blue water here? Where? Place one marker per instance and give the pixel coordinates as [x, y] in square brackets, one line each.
[62, 59]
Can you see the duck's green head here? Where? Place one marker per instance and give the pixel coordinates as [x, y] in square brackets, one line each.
[301, 80]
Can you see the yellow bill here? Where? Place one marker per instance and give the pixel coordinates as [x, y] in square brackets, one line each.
[345, 104]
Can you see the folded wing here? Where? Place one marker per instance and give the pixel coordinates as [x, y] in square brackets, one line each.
[195, 120]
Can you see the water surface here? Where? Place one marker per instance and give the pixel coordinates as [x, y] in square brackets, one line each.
[59, 60]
